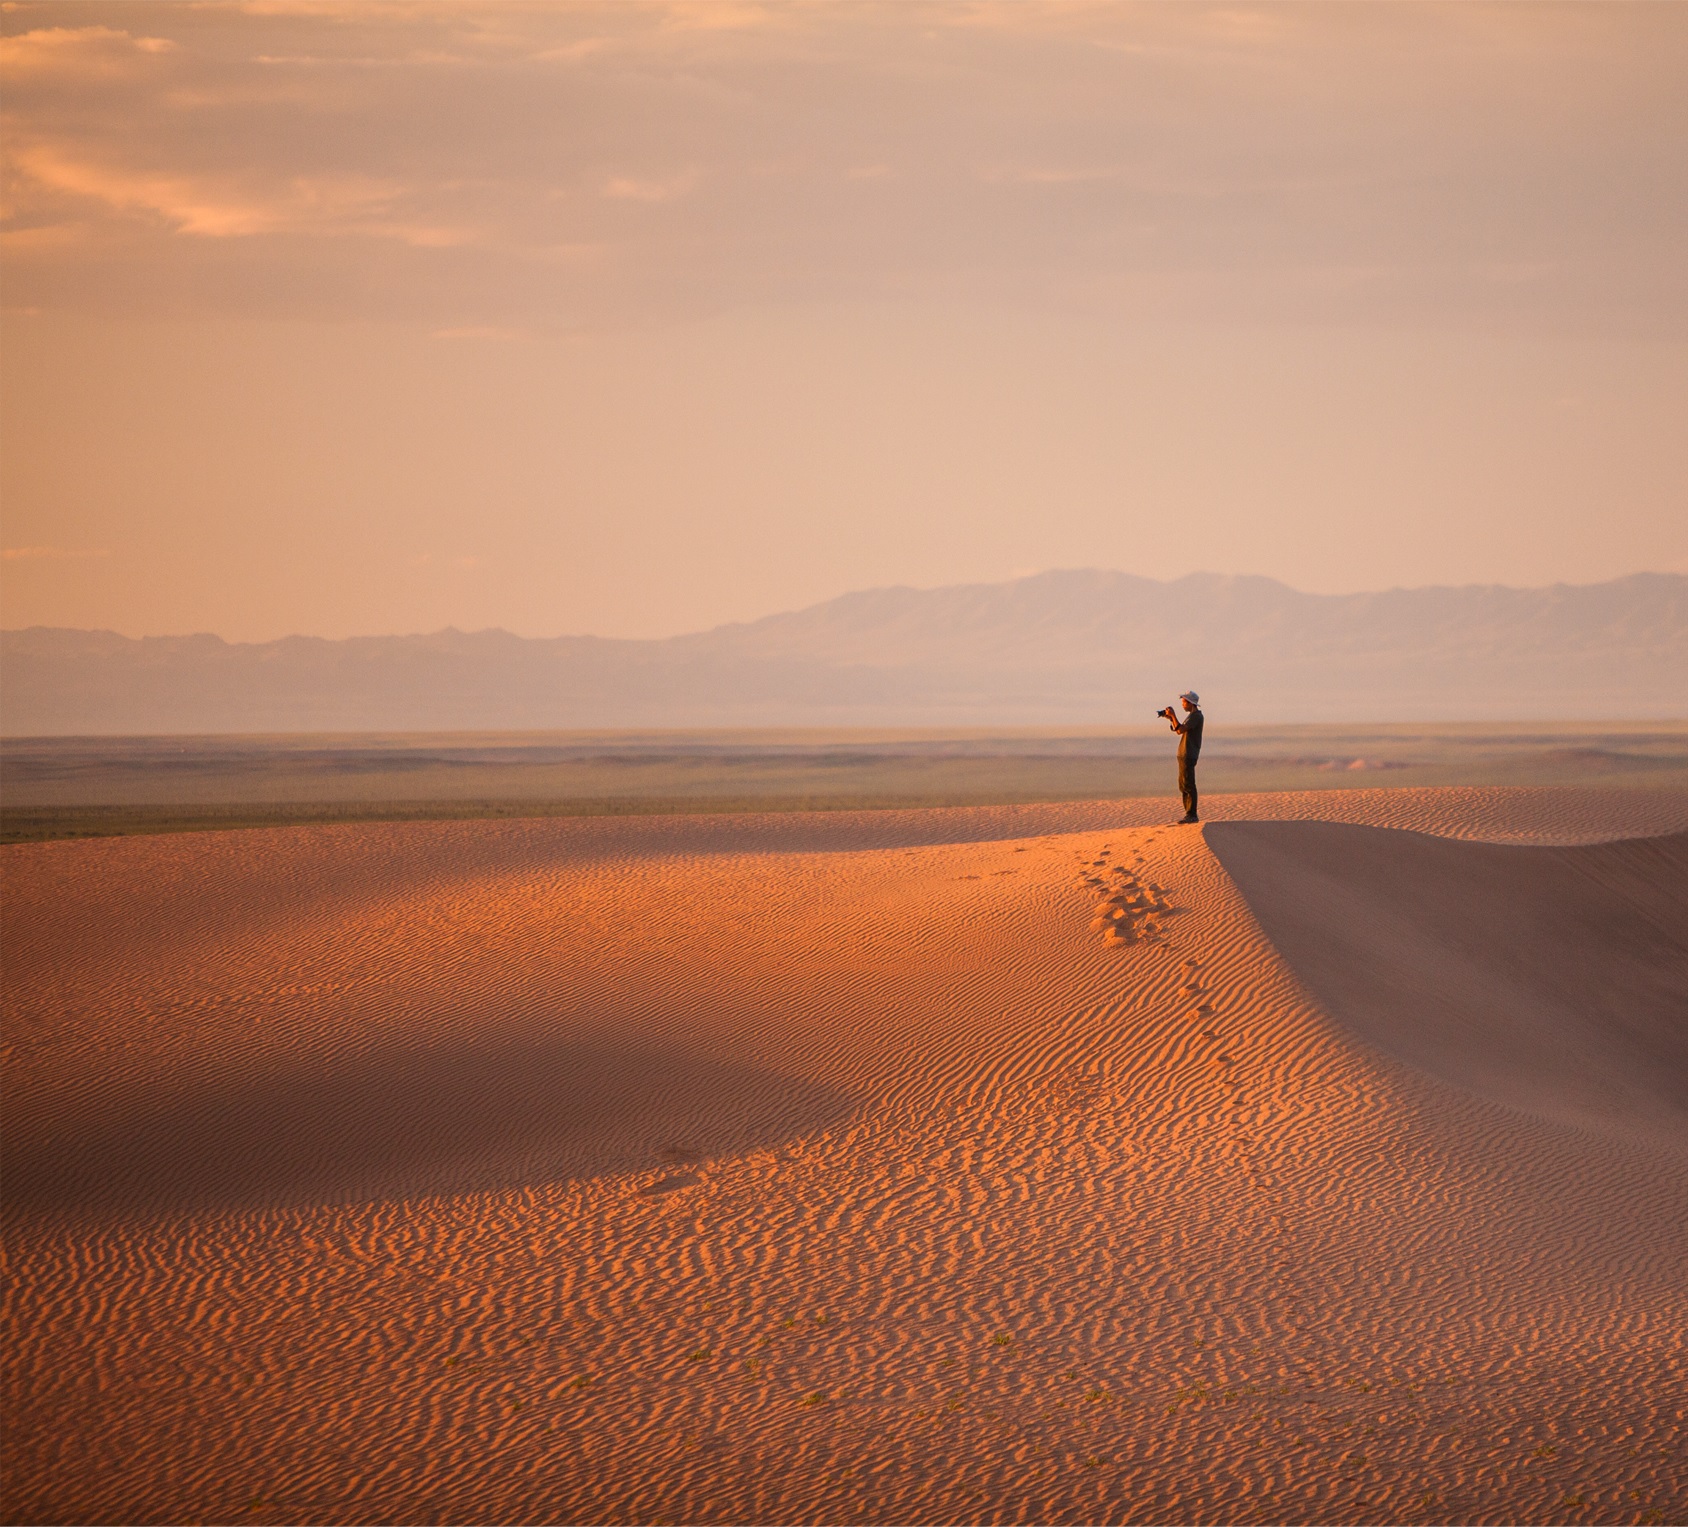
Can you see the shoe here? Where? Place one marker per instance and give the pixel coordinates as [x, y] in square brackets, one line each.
[1184, 821]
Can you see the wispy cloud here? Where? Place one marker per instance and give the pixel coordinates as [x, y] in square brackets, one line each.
[94, 52]
[460, 149]
[573, 52]
[631, 188]
[454, 564]
[479, 331]
[52, 553]
[1048, 175]
[717, 15]
[191, 205]
[203, 206]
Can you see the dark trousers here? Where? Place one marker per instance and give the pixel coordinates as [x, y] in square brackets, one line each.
[1187, 784]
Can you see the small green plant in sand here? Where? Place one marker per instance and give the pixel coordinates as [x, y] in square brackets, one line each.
[813, 1399]
[702, 1355]
[1002, 1339]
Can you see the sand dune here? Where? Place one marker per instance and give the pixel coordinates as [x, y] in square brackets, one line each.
[990, 1165]
[1554, 980]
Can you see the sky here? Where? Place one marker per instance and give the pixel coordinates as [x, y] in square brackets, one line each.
[633, 319]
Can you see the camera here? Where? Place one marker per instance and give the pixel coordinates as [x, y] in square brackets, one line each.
[1165, 711]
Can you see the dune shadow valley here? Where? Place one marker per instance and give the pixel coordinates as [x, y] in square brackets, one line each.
[1325, 1161]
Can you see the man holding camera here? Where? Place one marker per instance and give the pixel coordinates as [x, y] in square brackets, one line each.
[1189, 749]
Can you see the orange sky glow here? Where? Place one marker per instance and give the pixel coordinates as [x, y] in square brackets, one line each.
[637, 318]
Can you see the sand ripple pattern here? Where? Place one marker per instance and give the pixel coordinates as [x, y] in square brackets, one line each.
[535, 1172]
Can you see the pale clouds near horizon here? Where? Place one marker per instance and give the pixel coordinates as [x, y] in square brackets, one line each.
[634, 318]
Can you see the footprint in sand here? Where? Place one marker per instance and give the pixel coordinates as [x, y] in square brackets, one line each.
[673, 1182]
[1129, 909]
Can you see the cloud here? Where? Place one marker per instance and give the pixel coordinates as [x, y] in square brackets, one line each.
[93, 52]
[572, 52]
[201, 206]
[51, 553]
[716, 15]
[456, 564]
[478, 331]
[193, 207]
[1049, 176]
[436, 161]
[628, 188]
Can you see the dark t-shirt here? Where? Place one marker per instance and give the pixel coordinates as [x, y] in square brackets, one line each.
[1190, 737]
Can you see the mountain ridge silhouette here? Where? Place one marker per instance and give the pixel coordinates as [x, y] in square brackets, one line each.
[1069, 646]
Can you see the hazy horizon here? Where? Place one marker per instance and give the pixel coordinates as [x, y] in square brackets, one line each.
[844, 594]
[1081, 645]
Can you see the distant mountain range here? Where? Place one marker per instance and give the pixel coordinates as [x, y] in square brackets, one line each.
[1057, 648]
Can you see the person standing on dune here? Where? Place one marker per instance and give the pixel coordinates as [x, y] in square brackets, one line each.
[1189, 749]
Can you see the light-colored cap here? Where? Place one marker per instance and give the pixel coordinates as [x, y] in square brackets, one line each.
[1191, 696]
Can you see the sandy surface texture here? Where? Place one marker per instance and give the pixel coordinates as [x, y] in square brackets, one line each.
[1328, 1162]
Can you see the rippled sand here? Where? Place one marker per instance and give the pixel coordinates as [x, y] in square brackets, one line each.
[972, 1165]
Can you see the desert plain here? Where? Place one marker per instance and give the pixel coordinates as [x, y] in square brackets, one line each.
[1324, 1162]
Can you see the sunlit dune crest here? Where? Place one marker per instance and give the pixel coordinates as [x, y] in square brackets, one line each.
[1037, 1163]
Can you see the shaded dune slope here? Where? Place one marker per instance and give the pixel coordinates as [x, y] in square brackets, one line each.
[1554, 980]
[475, 1114]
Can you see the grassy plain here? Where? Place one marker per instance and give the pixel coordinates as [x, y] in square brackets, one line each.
[100, 786]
